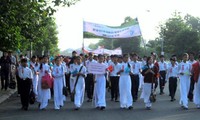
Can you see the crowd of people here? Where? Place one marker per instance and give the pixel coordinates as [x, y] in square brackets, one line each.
[125, 75]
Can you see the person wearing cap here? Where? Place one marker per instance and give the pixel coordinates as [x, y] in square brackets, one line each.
[162, 71]
[26, 76]
[196, 72]
[172, 76]
[136, 69]
[184, 74]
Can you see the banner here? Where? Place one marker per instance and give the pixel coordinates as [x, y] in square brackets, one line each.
[102, 50]
[97, 68]
[100, 30]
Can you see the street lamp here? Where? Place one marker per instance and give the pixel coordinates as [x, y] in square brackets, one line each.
[162, 41]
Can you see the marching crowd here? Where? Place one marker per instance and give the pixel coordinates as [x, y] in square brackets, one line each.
[125, 75]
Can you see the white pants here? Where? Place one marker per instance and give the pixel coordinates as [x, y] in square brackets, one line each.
[126, 99]
[146, 92]
[184, 89]
[79, 94]
[100, 91]
[35, 84]
[43, 95]
[72, 82]
[197, 93]
[58, 93]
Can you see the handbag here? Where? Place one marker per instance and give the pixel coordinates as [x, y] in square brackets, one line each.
[12, 84]
[73, 92]
[152, 97]
[47, 81]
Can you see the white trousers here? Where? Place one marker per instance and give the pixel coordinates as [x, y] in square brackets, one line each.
[197, 93]
[58, 93]
[184, 89]
[126, 99]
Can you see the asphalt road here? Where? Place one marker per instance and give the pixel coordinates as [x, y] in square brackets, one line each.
[163, 109]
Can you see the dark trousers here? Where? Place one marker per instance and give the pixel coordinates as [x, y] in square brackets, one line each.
[162, 80]
[18, 83]
[89, 85]
[134, 86]
[114, 87]
[4, 79]
[25, 92]
[172, 86]
[190, 94]
[67, 78]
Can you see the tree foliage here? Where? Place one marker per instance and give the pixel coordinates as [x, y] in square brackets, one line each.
[180, 34]
[29, 21]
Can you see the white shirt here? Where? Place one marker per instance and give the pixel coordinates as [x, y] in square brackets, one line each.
[172, 71]
[136, 67]
[25, 73]
[162, 66]
[184, 68]
[116, 68]
[58, 71]
[88, 62]
[124, 66]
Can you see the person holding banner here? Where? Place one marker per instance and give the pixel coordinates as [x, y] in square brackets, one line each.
[126, 99]
[90, 78]
[100, 87]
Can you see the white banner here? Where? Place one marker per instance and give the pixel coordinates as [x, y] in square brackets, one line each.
[97, 68]
[111, 32]
[117, 51]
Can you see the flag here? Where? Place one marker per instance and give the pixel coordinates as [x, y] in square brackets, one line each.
[98, 30]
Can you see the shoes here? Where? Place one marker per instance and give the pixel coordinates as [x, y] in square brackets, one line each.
[198, 106]
[89, 100]
[185, 107]
[116, 100]
[130, 107]
[102, 108]
[77, 108]
[111, 99]
[148, 108]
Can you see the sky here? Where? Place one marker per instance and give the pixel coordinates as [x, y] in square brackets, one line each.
[150, 13]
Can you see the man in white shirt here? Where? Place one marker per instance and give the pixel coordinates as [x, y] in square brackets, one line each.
[136, 69]
[162, 72]
[26, 77]
[89, 79]
[114, 67]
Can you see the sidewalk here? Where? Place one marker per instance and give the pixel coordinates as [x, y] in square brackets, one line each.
[4, 95]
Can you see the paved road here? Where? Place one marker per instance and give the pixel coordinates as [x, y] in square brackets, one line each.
[163, 109]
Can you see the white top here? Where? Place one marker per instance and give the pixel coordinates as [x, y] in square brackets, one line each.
[172, 71]
[25, 72]
[162, 66]
[136, 67]
[116, 68]
[88, 62]
[58, 71]
[124, 66]
[184, 68]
